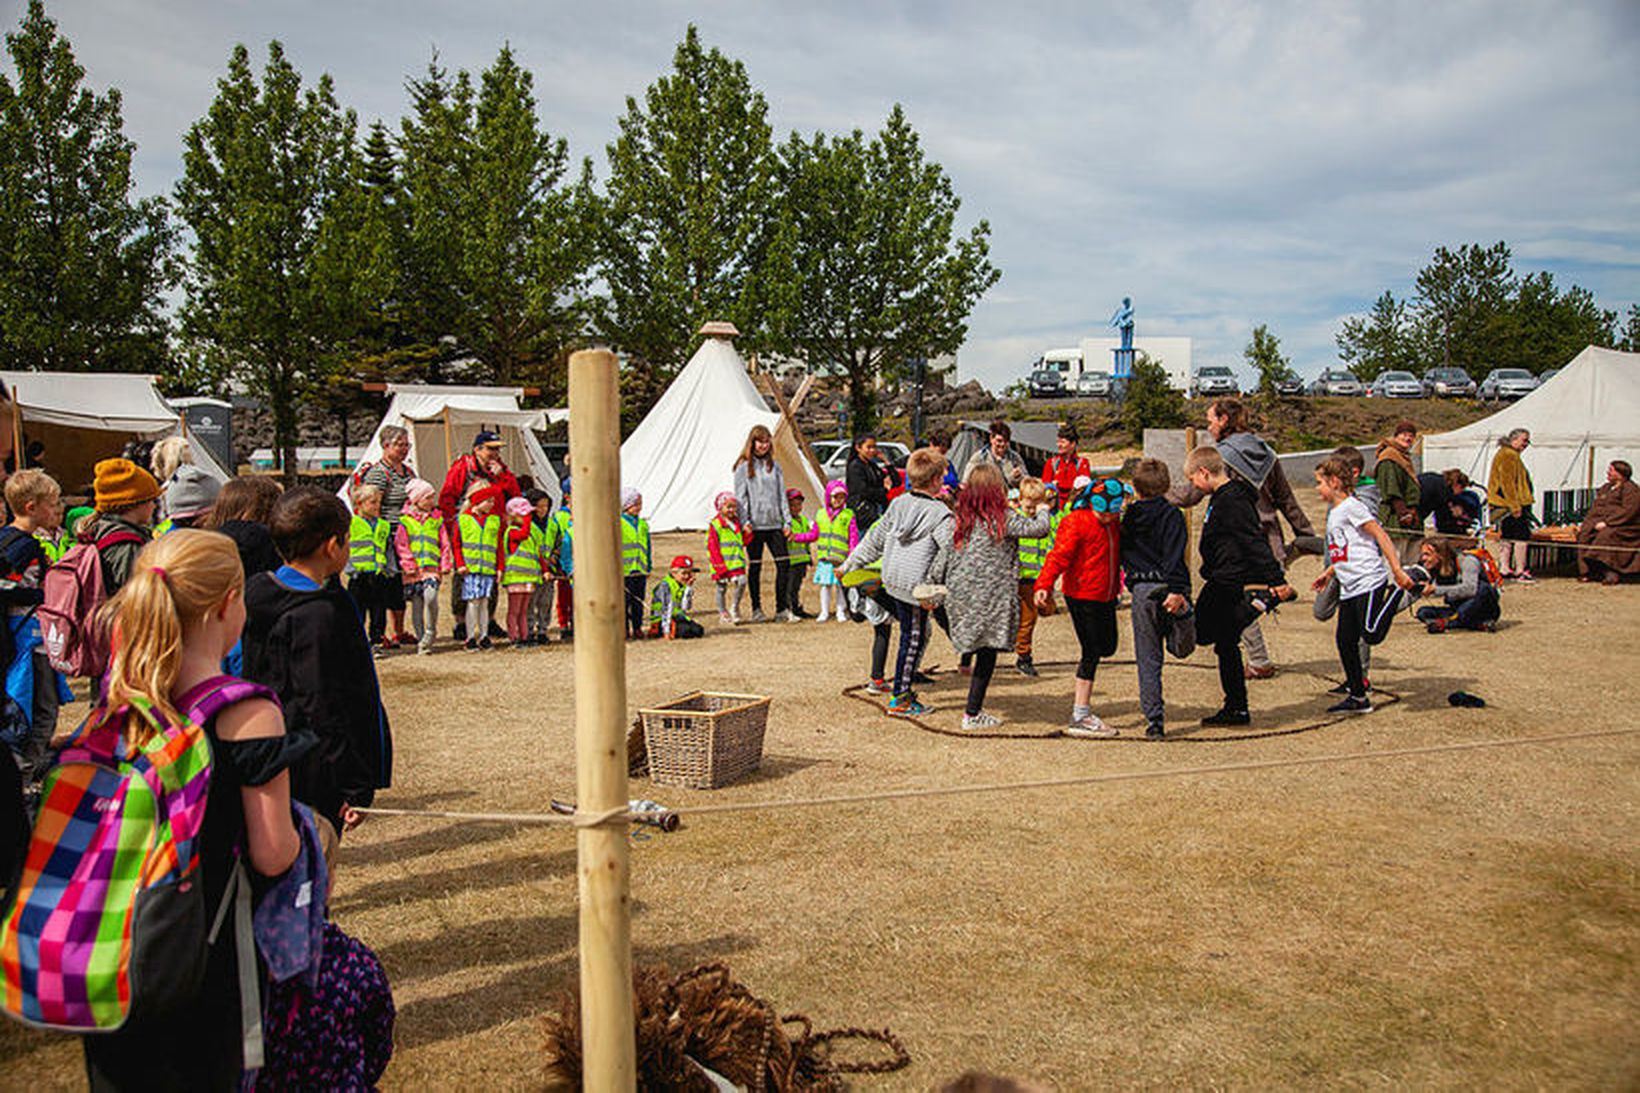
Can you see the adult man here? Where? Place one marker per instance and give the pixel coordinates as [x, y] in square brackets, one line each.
[482, 466]
[999, 455]
[1613, 524]
[1066, 465]
[1398, 491]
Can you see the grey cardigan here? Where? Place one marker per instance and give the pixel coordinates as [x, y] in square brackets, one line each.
[904, 540]
[982, 581]
[762, 497]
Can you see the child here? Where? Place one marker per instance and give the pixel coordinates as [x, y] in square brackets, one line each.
[190, 494]
[540, 613]
[560, 551]
[674, 597]
[836, 535]
[422, 543]
[34, 688]
[523, 570]
[480, 532]
[1033, 498]
[125, 498]
[1158, 579]
[1326, 600]
[801, 533]
[304, 639]
[1363, 559]
[368, 543]
[904, 540]
[1085, 551]
[1236, 560]
[726, 547]
[636, 561]
[1466, 582]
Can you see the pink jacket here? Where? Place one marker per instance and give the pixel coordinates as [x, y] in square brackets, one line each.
[410, 568]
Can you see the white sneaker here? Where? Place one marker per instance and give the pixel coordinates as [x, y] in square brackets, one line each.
[822, 617]
[979, 721]
[785, 616]
[726, 619]
[759, 616]
[842, 616]
[1090, 728]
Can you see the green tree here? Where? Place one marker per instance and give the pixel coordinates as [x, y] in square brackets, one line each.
[1551, 327]
[1263, 354]
[1461, 310]
[1152, 402]
[285, 264]
[877, 275]
[83, 266]
[686, 223]
[1380, 342]
[1630, 338]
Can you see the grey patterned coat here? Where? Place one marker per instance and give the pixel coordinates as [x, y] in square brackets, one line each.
[982, 578]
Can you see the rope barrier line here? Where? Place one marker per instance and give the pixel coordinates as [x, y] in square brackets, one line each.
[1483, 540]
[622, 816]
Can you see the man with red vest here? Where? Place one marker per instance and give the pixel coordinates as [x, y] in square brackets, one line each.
[483, 466]
[1063, 468]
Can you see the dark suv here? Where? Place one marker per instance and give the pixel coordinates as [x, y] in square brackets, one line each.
[1046, 383]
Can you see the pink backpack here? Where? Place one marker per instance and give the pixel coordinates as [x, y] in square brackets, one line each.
[73, 594]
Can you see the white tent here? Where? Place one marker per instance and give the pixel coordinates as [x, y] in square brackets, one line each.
[1581, 420]
[83, 417]
[442, 422]
[683, 453]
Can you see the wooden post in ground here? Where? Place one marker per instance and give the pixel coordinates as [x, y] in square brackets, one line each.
[600, 723]
[19, 453]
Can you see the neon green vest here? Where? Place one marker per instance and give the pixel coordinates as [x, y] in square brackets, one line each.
[54, 548]
[165, 526]
[833, 541]
[675, 586]
[1031, 553]
[478, 543]
[634, 546]
[423, 538]
[524, 563]
[800, 553]
[367, 544]
[730, 545]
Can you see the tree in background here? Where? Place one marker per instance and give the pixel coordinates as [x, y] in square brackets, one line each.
[1263, 354]
[1152, 402]
[286, 264]
[1462, 308]
[1630, 340]
[878, 274]
[1381, 342]
[83, 267]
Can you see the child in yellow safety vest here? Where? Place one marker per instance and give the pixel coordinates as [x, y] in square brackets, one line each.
[673, 599]
[635, 558]
[1034, 495]
[367, 547]
[801, 533]
[480, 531]
[423, 546]
[726, 547]
[836, 534]
[523, 569]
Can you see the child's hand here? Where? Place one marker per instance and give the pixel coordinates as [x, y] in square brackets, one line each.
[1284, 592]
[351, 818]
[1174, 604]
[1403, 578]
[1043, 597]
[461, 570]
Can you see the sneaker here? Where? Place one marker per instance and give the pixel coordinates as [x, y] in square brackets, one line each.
[878, 686]
[424, 650]
[785, 616]
[403, 639]
[567, 635]
[822, 618]
[497, 631]
[1436, 626]
[1266, 672]
[470, 645]
[1487, 627]
[908, 705]
[843, 616]
[1525, 577]
[485, 642]
[759, 616]
[1344, 688]
[1090, 728]
[922, 678]
[1024, 666]
[1227, 717]
[979, 722]
[1352, 704]
[460, 633]
[1154, 731]
[802, 614]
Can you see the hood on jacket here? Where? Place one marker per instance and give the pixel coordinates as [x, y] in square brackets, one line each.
[267, 598]
[1388, 449]
[918, 516]
[1248, 456]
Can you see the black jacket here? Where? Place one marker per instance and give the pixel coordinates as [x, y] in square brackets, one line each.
[256, 550]
[868, 485]
[1153, 545]
[1234, 548]
[310, 647]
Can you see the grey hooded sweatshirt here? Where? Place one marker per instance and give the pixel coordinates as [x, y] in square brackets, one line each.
[1254, 460]
[904, 540]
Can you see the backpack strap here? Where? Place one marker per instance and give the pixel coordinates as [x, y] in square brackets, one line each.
[209, 697]
[115, 538]
[238, 896]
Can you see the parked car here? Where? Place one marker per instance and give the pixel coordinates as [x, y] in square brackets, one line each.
[1214, 379]
[1094, 385]
[1290, 386]
[1547, 376]
[836, 464]
[1396, 385]
[1449, 382]
[1507, 383]
[1046, 383]
[1336, 381]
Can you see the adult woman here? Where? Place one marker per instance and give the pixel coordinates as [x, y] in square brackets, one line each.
[1509, 493]
[868, 480]
[1613, 524]
[392, 475]
[760, 491]
[1471, 601]
[976, 556]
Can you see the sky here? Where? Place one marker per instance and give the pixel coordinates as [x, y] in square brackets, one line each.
[1223, 163]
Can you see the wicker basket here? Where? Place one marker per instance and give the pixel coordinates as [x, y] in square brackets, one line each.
[705, 740]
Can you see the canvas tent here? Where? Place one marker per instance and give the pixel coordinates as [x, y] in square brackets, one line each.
[1034, 441]
[442, 422]
[683, 452]
[1580, 421]
[83, 417]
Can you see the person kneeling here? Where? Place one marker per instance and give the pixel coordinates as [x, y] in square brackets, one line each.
[673, 598]
[1471, 597]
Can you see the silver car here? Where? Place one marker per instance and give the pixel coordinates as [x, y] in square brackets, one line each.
[1093, 385]
[1448, 382]
[1214, 379]
[1507, 383]
[1397, 385]
[1336, 381]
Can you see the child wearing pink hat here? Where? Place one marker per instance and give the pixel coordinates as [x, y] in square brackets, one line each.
[836, 534]
[422, 543]
[524, 568]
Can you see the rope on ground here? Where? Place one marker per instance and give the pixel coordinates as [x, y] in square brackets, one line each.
[621, 816]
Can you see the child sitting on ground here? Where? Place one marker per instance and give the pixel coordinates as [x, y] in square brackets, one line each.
[1085, 552]
[1033, 498]
[480, 530]
[1240, 577]
[35, 689]
[726, 548]
[1326, 599]
[837, 533]
[522, 573]
[636, 561]
[1158, 579]
[1468, 580]
[1363, 560]
[801, 533]
[368, 543]
[423, 546]
[674, 597]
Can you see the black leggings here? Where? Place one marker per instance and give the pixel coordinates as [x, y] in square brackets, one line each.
[1367, 618]
[1095, 624]
[879, 648]
[775, 540]
[985, 662]
[636, 583]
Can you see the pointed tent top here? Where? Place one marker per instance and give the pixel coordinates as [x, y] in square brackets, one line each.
[718, 329]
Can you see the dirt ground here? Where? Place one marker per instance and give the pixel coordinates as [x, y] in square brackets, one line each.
[1468, 919]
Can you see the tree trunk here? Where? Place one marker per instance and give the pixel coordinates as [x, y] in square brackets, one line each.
[862, 400]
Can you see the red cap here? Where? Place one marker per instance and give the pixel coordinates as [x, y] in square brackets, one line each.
[488, 493]
[683, 561]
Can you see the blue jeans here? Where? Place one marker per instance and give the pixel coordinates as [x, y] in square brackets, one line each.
[1481, 608]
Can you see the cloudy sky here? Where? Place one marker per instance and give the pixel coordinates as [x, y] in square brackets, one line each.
[1224, 163]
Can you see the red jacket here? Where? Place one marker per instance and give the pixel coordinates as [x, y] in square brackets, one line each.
[454, 493]
[1085, 551]
[1061, 474]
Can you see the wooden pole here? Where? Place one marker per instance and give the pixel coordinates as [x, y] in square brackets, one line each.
[600, 723]
[19, 454]
[449, 449]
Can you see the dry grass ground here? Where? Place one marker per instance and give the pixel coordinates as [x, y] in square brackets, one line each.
[1458, 920]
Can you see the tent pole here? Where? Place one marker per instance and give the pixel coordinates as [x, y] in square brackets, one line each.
[600, 724]
[19, 454]
[1590, 482]
[449, 448]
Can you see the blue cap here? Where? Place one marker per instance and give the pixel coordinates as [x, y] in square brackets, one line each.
[486, 437]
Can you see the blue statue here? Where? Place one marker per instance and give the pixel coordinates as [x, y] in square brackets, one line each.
[1123, 321]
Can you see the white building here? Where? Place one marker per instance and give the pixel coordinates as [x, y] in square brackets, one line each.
[1097, 355]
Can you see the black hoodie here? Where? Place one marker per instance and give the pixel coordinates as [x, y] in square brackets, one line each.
[1153, 545]
[308, 644]
[1233, 547]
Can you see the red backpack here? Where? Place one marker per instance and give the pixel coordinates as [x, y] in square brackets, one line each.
[73, 594]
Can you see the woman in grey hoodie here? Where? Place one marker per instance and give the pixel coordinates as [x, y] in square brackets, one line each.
[760, 489]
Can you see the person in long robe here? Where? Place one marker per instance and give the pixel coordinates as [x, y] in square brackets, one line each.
[1613, 525]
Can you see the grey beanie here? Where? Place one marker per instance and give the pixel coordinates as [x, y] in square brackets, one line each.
[189, 492]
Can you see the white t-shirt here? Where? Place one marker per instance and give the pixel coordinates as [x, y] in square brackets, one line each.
[1357, 563]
